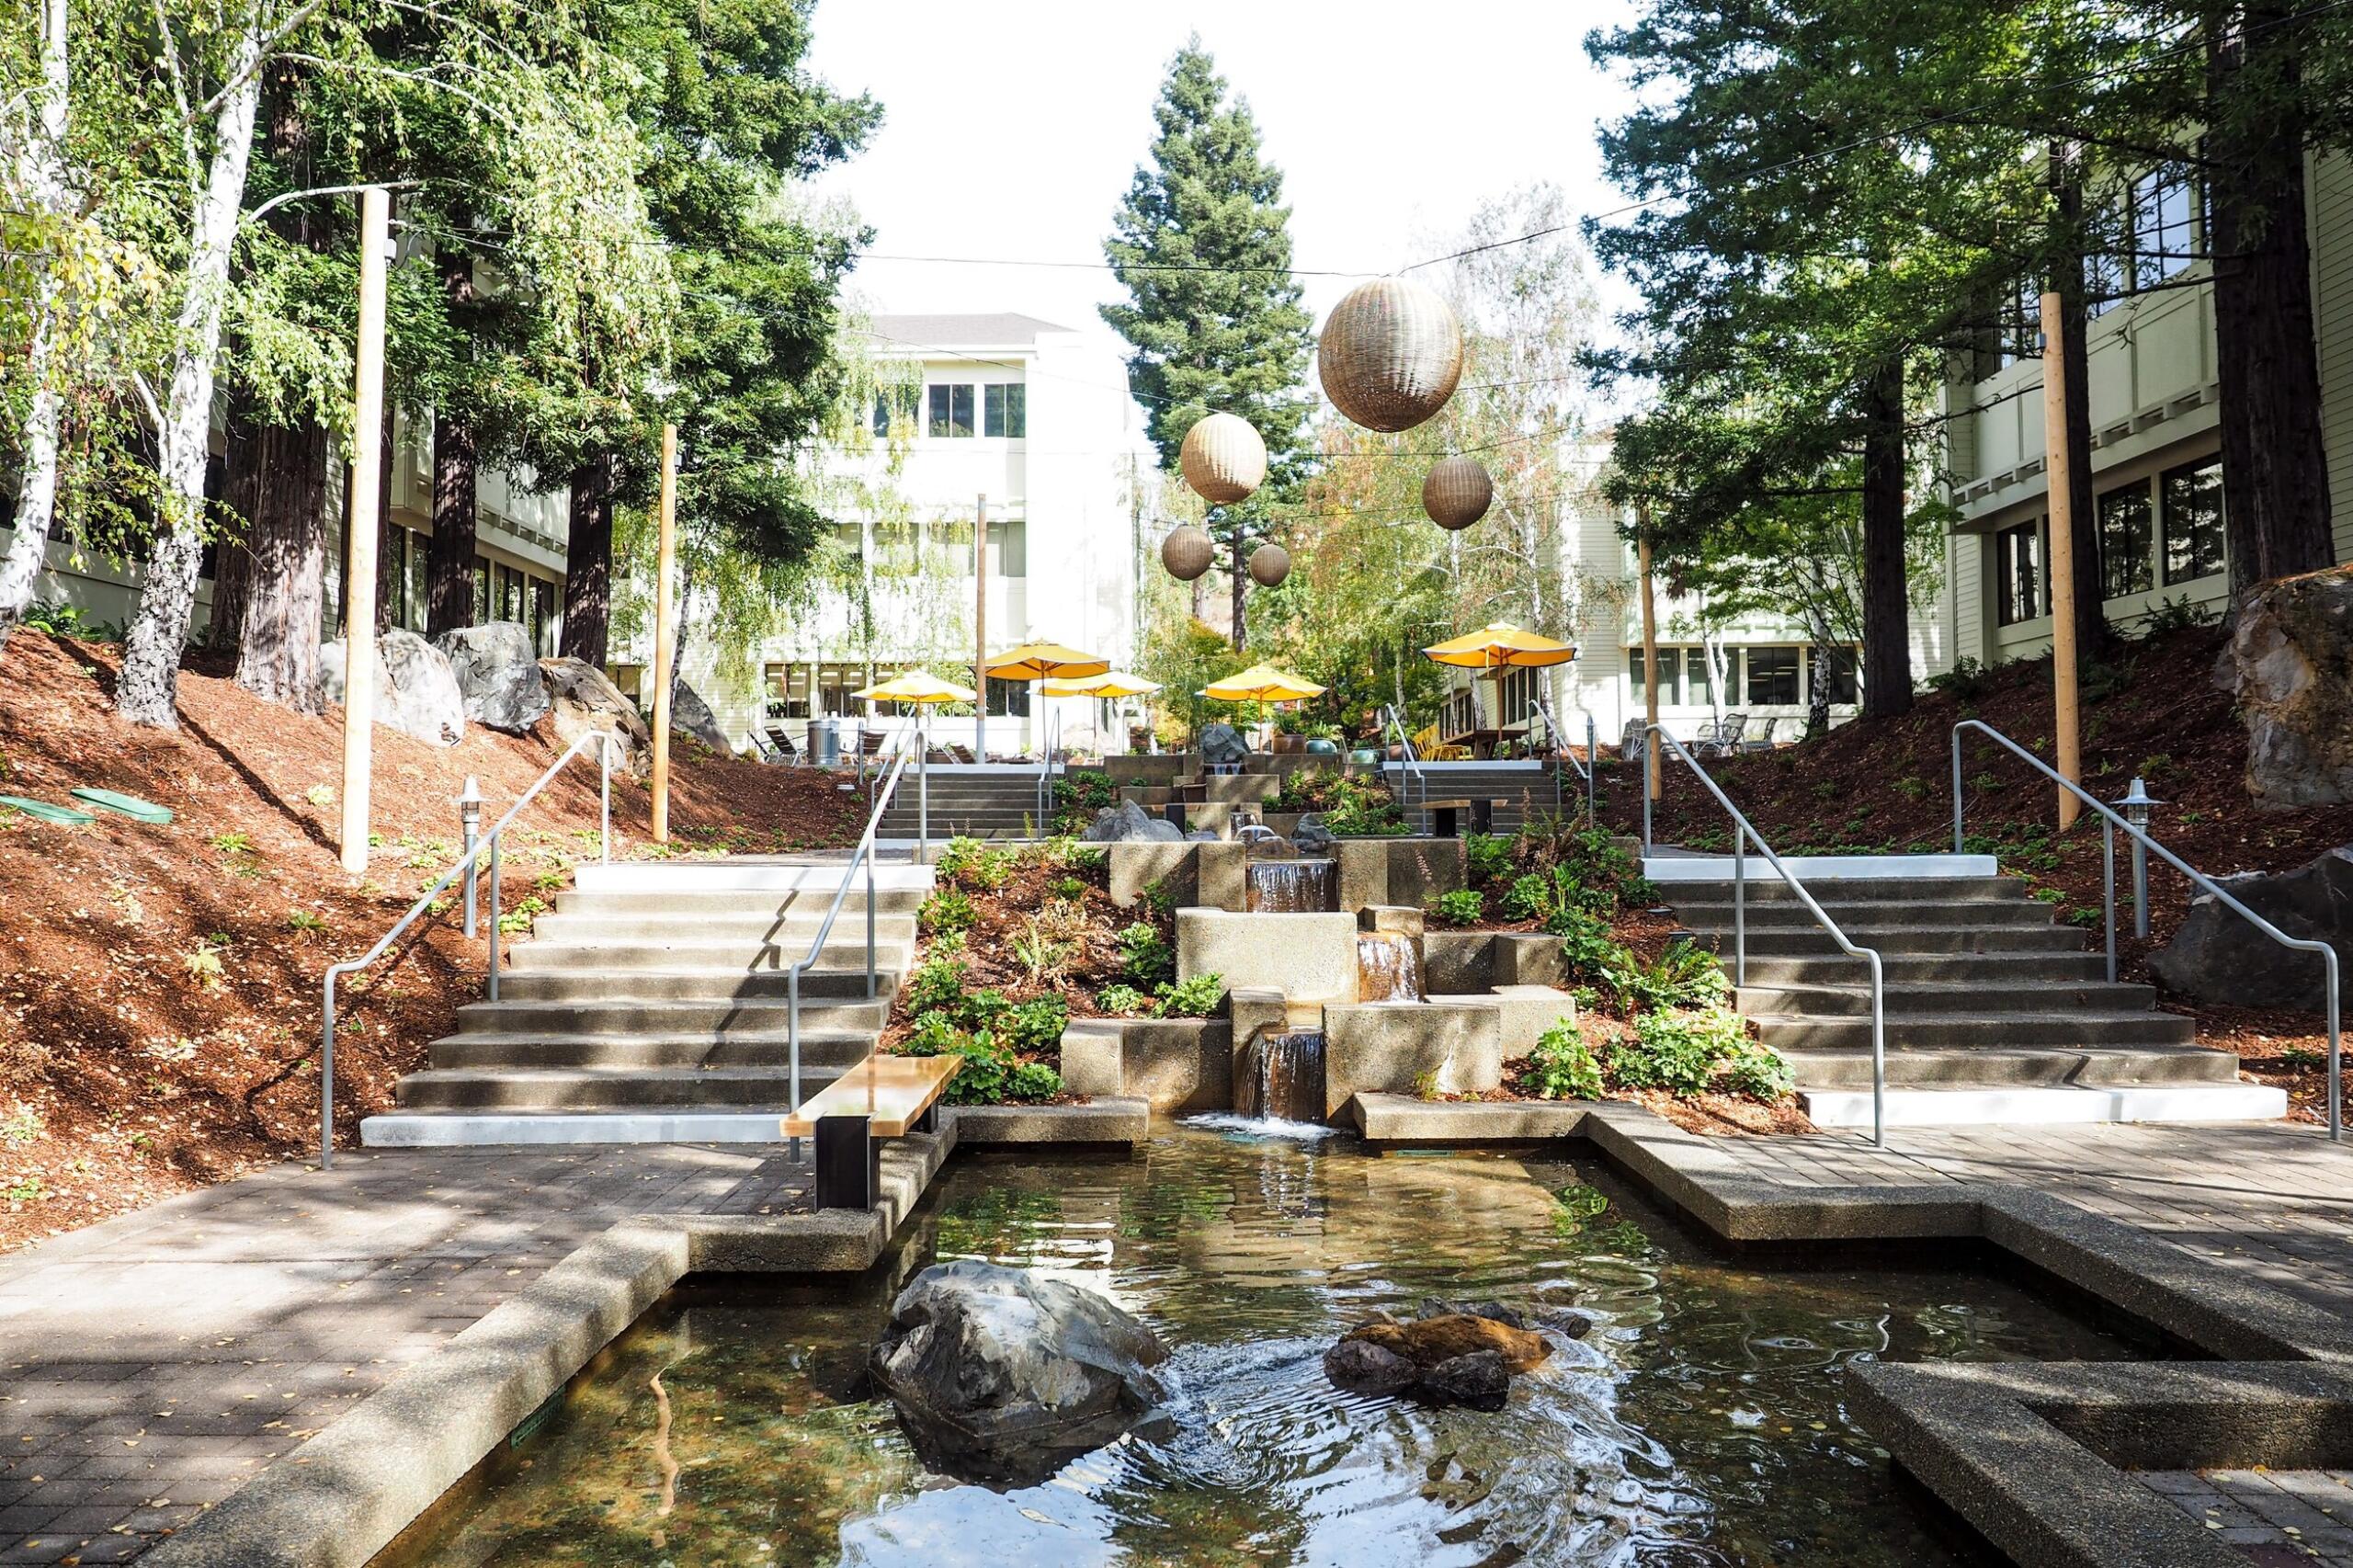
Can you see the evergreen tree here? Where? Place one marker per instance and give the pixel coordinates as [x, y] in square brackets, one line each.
[1202, 245]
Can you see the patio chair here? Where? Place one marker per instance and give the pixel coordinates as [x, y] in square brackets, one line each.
[776, 744]
[1631, 743]
[1722, 739]
[1760, 740]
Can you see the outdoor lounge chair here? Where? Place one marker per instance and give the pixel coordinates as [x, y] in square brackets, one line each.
[777, 744]
[1630, 743]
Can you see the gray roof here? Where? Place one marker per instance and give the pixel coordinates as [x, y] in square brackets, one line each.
[953, 332]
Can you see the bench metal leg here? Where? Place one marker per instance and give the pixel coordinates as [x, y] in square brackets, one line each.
[1442, 820]
[1483, 817]
[929, 1120]
[850, 1162]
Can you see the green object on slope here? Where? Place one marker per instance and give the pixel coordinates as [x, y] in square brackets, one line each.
[42, 810]
[127, 806]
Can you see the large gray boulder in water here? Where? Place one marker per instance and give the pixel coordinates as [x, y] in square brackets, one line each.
[417, 691]
[1128, 822]
[582, 699]
[1002, 1377]
[1223, 744]
[2290, 663]
[498, 674]
[2219, 956]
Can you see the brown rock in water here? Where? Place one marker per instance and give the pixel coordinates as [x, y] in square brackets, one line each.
[1477, 1380]
[1426, 1342]
[1365, 1368]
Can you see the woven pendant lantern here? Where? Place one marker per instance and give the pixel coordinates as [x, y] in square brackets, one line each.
[1269, 565]
[1390, 354]
[1223, 459]
[1457, 492]
[1186, 552]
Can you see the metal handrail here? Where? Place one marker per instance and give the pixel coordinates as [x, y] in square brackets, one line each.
[1409, 762]
[486, 844]
[1743, 832]
[863, 855]
[1542, 708]
[2109, 823]
[1049, 732]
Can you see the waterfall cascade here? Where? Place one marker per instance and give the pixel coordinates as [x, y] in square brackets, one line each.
[1282, 1076]
[1294, 887]
[1388, 968]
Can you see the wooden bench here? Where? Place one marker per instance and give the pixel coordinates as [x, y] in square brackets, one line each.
[882, 1097]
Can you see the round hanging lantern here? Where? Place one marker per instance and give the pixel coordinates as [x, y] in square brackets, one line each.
[1390, 354]
[1269, 565]
[1457, 492]
[1223, 458]
[1186, 552]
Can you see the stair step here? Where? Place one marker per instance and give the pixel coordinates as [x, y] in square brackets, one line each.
[575, 1089]
[610, 1015]
[1853, 890]
[751, 929]
[597, 952]
[2043, 1106]
[797, 903]
[601, 985]
[821, 1046]
[2068, 1028]
[1788, 913]
[1812, 870]
[1912, 997]
[620, 1124]
[1997, 969]
[737, 874]
[1915, 1066]
[1800, 940]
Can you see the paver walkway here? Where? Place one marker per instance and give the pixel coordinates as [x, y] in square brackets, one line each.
[150, 1365]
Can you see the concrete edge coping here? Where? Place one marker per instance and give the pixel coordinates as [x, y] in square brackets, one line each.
[1113, 1119]
[340, 1498]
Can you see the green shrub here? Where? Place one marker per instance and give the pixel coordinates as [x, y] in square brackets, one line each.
[1486, 857]
[1561, 1067]
[1967, 680]
[1587, 950]
[1121, 999]
[967, 862]
[1677, 1050]
[947, 910]
[980, 1080]
[982, 1009]
[1071, 888]
[1194, 998]
[1530, 897]
[1145, 954]
[1078, 796]
[1463, 906]
[1757, 1070]
[1035, 1026]
[1686, 975]
[934, 985]
[1032, 1081]
[935, 1032]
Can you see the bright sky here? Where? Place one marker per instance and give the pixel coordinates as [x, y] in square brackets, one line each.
[1011, 131]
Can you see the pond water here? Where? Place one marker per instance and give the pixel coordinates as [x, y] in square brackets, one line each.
[1701, 1423]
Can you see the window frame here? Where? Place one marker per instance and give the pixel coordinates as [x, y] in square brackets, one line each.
[941, 403]
[2006, 602]
[2165, 514]
[1004, 411]
[2112, 502]
[1750, 697]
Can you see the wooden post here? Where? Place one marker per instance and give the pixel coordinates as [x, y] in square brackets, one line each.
[666, 634]
[1651, 778]
[2066, 728]
[981, 629]
[359, 530]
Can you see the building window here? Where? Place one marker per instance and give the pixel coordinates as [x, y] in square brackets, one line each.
[1837, 672]
[1009, 548]
[2017, 333]
[1008, 698]
[2127, 542]
[1670, 665]
[2193, 497]
[543, 616]
[951, 409]
[1515, 697]
[1772, 677]
[1699, 681]
[1005, 410]
[2165, 239]
[892, 407]
[482, 589]
[2019, 591]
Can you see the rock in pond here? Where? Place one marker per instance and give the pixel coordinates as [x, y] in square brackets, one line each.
[1310, 837]
[498, 674]
[1478, 1381]
[1454, 1354]
[1362, 1367]
[1002, 1377]
[1223, 745]
[1128, 822]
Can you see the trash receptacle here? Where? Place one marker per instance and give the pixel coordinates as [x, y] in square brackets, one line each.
[826, 742]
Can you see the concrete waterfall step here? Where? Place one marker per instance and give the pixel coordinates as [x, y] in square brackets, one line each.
[1987, 1066]
[2067, 1027]
[2032, 1107]
[581, 1088]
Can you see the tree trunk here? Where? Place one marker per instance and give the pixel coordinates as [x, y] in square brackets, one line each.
[449, 563]
[147, 690]
[2275, 472]
[1817, 686]
[39, 172]
[1887, 607]
[244, 484]
[2092, 638]
[1241, 588]
[278, 655]
[588, 562]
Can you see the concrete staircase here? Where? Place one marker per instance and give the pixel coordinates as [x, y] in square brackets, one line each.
[1995, 1013]
[652, 1006]
[1521, 786]
[999, 800]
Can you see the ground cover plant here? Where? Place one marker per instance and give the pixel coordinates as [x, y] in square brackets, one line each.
[1352, 806]
[159, 985]
[2150, 709]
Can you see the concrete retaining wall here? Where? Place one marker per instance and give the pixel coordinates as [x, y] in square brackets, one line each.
[1388, 1047]
[1469, 961]
[1397, 870]
[1308, 958]
[1176, 1064]
[1209, 875]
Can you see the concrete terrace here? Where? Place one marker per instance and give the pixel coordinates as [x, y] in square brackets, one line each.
[156, 1362]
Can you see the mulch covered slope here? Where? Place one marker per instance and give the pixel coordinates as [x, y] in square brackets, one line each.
[2152, 710]
[160, 987]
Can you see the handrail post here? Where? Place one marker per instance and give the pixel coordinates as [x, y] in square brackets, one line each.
[604, 792]
[493, 915]
[327, 1077]
[1879, 1051]
[792, 1030]
[1592, 756]
[2336, 1082]
[1955, 790]
[869, 920]
[1739, 904]
[2108, 889]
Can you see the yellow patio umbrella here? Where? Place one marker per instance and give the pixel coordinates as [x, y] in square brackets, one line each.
[1262, 683]
[1115, 684]
[1500, 646]
[916, 685]
[1045, 661]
